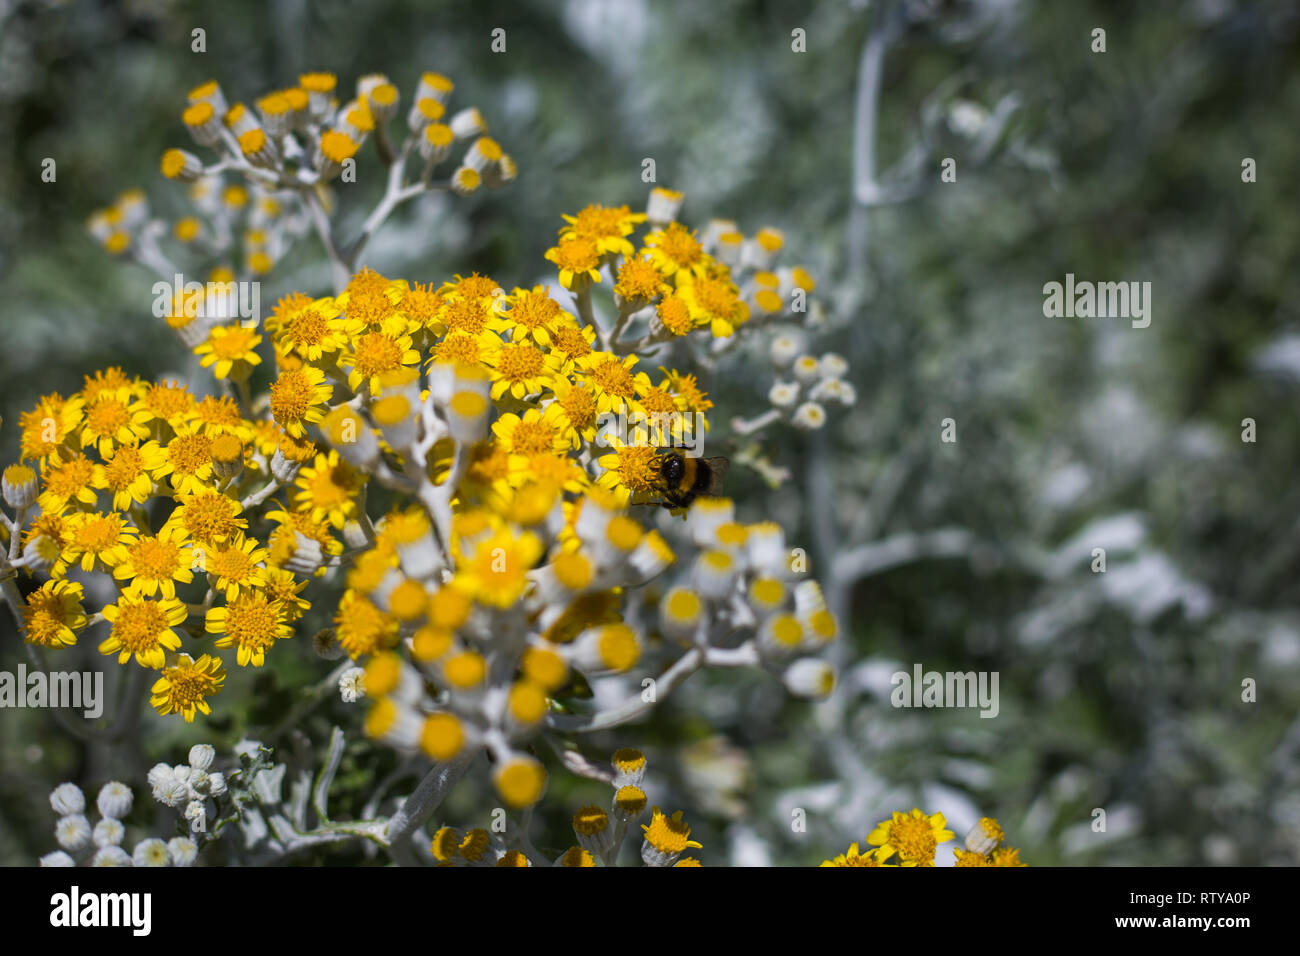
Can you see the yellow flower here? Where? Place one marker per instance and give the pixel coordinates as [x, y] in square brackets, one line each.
[216, 416]
[375, 353]
[913, 837]
[1005, 856]
[675, 250]
[536, 432]
[113, 418]
[232, 349]
[714, 301]
[169, 402]
[47, 426]
[186, 462]
[535, 315]
[66, 477]
[572, 344]
[576, 411]
[143, 628]
[631, 472]
[605, 225]
[853, 858]
[496, 566]
[639, 280]
[281, 586]
[208, 517]
[361, 627]
[612, 380]
[328, 489]
[95, 537]
[155, 563]
[128, 473]
[54, 614]
[316, 330]
[299, 396]
[578, 261]
[521, 369]
[237, 565]
[49, 535]
[252, 623]
[185, 686]
[669, 835]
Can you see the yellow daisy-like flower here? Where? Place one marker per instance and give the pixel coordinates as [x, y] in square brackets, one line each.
[251, 623]
[521, 369]
[674, 314]
[108, 380]
[230, 351]
[714, 301]
[612, 380]
[186, 462]
[283, 587]
[576, 411]
[606, 226]
[112, 419]
[299, 396]
[317, 330]
[535, 315]
[969, 858]
[186, 685]
[53, 615]
[373, 354]
[215, 416]
[854, 858]
[67, 477]
[1005, 856]
[169, 402]
[97, 538]
[47, 426]
[237, 565]
[328, 490]
[209, 517]
[154, 563]
[675, 250]
[631, 472]
[127, 473]
[668, 835]
[639, 280]
[361, 627]
[535, 433]
[143, 628]
[913, 836]
[687, 392]
[496, 567]
[578, 261]
[572, 344]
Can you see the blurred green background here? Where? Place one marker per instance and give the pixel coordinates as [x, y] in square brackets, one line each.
[1119, 691]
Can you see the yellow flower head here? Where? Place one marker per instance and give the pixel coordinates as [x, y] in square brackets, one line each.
[185, 686]
[144, 628]
[913, 836]
[53, 615]
[230, 351]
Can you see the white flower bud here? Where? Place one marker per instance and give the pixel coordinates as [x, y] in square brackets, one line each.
[197, 814]
[57, 858]
[784, 350]
[809, 677]
[216, 784]
[73, 832]
[108, 832]
[351, 688]
[809, 416]
[783, 394]
[111, 856]
[114, 800]
[67, 799]
[151, 852]
[183, 851]
[833, 365]
[201, 756]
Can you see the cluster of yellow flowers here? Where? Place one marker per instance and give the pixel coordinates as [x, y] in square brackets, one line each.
[283, 153]
[508, 558]
[912, 839]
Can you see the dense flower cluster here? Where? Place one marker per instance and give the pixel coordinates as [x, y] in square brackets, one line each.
[478, 469]
[912, 839]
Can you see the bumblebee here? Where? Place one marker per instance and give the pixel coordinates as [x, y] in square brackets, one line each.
[683, 479]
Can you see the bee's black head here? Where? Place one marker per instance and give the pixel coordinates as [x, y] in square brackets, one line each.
[672, 467]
